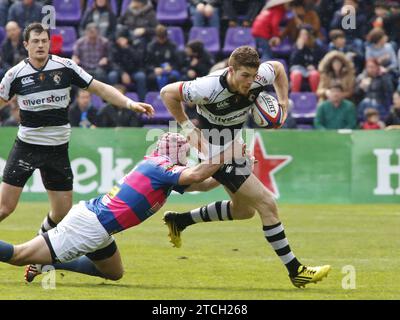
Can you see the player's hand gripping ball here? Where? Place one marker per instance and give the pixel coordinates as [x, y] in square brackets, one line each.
[267, 112]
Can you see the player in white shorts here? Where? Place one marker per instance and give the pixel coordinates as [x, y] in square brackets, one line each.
[83, 242]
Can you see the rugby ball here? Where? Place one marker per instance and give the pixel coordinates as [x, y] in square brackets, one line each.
[267, 112]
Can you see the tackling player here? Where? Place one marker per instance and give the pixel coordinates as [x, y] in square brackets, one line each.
[88, 227]
[223, 99]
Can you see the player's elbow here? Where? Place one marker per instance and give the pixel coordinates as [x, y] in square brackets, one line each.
[165, 92]
[170, 92]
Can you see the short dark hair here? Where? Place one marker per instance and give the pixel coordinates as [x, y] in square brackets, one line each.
[335, 34]
[244, 56]
[35, 27]
[196, 46]
[371, 112]
[375, 35]
[161, 31]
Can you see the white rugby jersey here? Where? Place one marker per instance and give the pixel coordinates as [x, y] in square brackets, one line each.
[219, 107]
[43, 97]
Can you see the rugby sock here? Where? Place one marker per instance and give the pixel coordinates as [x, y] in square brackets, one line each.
[216, 211]
[81, 265]
[6, 251]
[275, 235]
[47, 224]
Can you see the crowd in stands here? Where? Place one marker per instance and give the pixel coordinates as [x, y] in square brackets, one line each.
[346, 77]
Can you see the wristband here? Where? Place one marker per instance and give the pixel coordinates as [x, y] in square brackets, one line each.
[129, 104]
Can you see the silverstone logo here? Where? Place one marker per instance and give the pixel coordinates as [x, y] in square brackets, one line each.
[37, 102]
[223, 119]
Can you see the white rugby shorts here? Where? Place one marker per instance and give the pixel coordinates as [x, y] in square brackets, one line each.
[79, 233]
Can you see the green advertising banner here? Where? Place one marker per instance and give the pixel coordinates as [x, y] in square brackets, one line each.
[296, 166]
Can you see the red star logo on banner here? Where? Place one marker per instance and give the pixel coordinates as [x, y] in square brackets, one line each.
[267, 165]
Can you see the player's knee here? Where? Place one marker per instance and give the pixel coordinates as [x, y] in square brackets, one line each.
[267, 206]
[248, 213]
[242, 213]
[20, 255]
[271, 205]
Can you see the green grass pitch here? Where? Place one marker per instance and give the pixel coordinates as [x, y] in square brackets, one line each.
[230, 260]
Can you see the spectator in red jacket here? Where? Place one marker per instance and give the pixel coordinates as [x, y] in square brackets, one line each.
[265, 28]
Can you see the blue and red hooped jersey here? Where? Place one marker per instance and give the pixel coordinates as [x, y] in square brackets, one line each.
[138, 195]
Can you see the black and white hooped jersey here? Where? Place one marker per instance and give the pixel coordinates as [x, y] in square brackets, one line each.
[220, 107]
[43, 97]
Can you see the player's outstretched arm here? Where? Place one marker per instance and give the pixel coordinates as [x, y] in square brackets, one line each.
[281, 85]
[116, 98]
[198, 174]
[206, 185]
[172, 98]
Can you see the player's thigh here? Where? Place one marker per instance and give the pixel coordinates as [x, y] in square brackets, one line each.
[56, 170]
[33, 251]
[253, 189]
[111, 267]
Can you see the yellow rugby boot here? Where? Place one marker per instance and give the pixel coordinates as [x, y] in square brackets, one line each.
[174, 231]
[308, 275]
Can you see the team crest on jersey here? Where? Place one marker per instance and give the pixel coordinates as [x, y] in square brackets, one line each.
[56, 77]
[41, 77]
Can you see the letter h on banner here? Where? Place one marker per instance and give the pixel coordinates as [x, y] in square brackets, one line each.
[385, 170]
